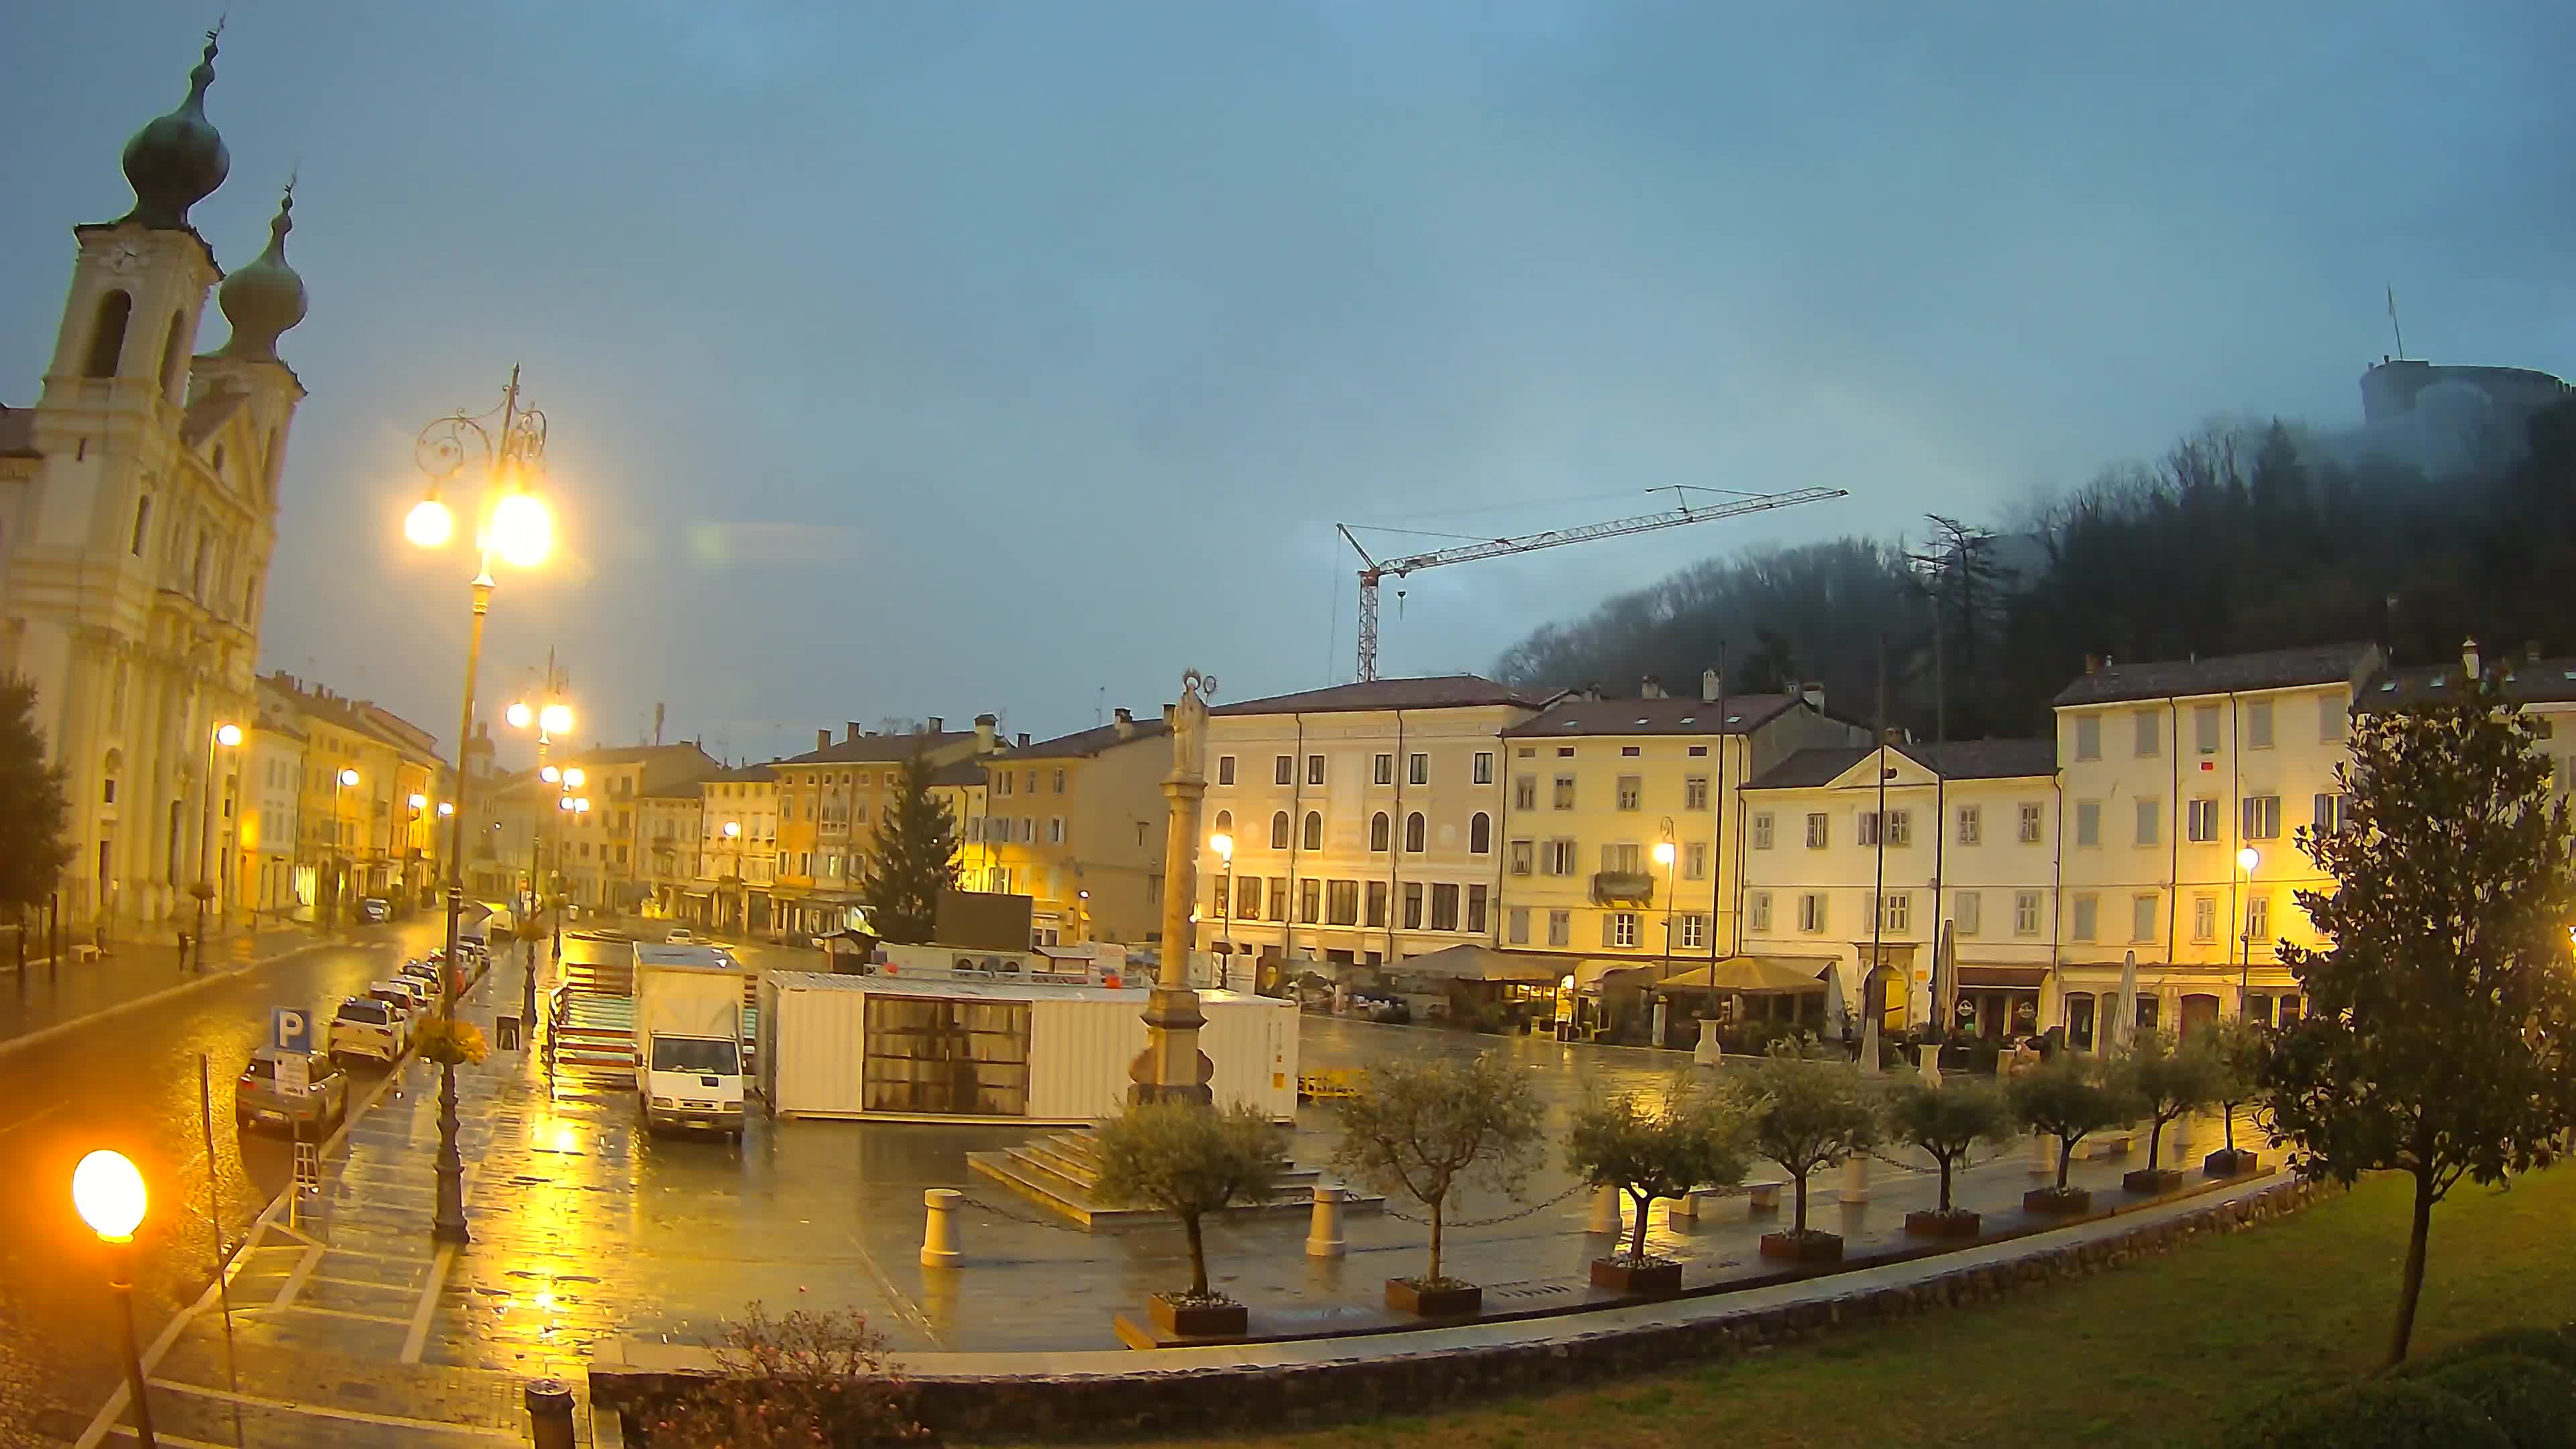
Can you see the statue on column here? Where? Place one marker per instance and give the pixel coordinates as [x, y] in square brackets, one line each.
[1172, 1068]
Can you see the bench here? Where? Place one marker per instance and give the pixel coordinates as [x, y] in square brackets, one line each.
[2113, 1142]
[1764, 1197]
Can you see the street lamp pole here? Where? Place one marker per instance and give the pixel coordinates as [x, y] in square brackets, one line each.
[1664, 856]
[516, 527]
[226, 735]
[1223, 845]
[108, 1194]
[2246, 860]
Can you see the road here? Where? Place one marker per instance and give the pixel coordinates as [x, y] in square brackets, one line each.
[131, 1083]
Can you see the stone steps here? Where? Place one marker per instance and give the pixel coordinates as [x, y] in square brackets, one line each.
[1061, 1173]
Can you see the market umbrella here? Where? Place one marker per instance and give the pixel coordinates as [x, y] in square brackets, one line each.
[2124, 1030]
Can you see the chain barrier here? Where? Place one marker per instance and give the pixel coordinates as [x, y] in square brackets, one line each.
[1537, 1207]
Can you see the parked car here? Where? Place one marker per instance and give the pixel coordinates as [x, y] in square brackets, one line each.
[375, 909]
[256, 1098]
[366, 1027]
[681, 936]
[403, 999]
[1380, 1006]
[427, 971]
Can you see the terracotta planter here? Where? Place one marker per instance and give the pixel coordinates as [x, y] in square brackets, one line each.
[1197, 1320]
[2073, 1202]
[2152, 1180]
[1454, 1300]
[2224, 1163]
[1651, 1279]
[1807, 1247]
[1956, 1223]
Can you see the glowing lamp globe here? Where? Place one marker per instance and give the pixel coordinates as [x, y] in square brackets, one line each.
[556, 718]
[2247, 858]
[429, 524]
[518, 715]
[549, 774]
[1663, 852]
[1222, 844]
[228, 735]
[420, 802]
[108, 1194]
[348, 777]
[574, 777]
[522, 532]
[448, 807]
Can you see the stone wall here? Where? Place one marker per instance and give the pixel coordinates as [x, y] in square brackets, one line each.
[1293, 1395]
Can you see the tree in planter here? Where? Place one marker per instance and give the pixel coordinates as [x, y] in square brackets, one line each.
[805, 1379]
[1695, 1136]
[2242, 1049]
[916, 859]
[1946, 1122]
[1418, 1127]
[1190, 1161]
[2440, 1038]
[2166, 1079]
[1809, 1113]
[2070, 1099]
[33, 812]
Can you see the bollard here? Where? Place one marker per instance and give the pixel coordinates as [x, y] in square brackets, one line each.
[549, 1404]
[1684, 1209]
[1606, 1216]
[939, 1229]
[1927, 1061]
[1855, 1178]
[2043, 1156]
[1324, 1233]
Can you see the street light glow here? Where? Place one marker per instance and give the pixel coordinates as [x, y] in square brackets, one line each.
[2247, 858]
[581, 805]
[448, 807]
[521, 531]
[556, 718]
[419, 801]
[1222, 844]
[574, 778]
[429, 524]
[108, 1194]
[518, 715]
[228, 735]
[563, 802]
[1663, 852]
[549, 774]
[733, 829]
[348, 777]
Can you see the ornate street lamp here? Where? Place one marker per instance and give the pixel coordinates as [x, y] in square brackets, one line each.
[2246, 860]
[1223, 845]
[552, 718]
[507, 446]
[225, 736]
[108, 1194]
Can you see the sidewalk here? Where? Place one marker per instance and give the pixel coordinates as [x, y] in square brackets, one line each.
[47, 997]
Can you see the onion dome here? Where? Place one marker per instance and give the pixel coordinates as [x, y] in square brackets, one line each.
[177, 160]
[265, 298]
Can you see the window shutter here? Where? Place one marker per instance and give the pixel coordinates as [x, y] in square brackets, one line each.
[1606, 938]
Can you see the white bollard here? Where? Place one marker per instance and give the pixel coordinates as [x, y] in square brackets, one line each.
[1927, 1061]
[1685, 1208]
[1855, 1178]
[2043, 1155]
[1324, 1231]
[1606, 1216]
[939, 1228]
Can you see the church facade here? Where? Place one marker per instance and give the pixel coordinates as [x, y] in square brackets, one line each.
[138, 509]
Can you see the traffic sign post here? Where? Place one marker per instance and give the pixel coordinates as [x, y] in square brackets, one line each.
[294, 1075]
[290, 1029]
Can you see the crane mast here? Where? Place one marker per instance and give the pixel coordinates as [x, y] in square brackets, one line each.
[1674, 517]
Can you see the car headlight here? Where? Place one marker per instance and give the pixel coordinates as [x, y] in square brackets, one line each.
[664, 1102]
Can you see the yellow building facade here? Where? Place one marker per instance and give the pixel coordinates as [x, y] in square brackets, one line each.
[1076, 824]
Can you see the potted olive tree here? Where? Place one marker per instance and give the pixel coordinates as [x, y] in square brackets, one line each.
[2242, 1048]
[1419, 1128]
[1189, 1161]
[2070, 1099]
[1946, 1121]
[1691, 1136]
[1808, 1114]
[2165, 1079]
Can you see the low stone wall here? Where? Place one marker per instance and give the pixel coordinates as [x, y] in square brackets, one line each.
[1151, 1400]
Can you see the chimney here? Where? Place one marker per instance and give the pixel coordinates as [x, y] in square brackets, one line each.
[849, 729]
[2531, 652]
[1023, 740]
[1126, 723]
[822, 739]
[984, 726]
[936, 725]
[2469, 660]
[1710, 686]
[1813, 692]
[1650, 687]
[1589, 691]
[2092, 663]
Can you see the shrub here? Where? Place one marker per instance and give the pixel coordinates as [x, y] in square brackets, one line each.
[2551, 1346]
[1693, 1137]
[1947, 1121]
[452, 1043]
[1188, 1161]
[805, 1379]
[2167, 1079]
[1809, 1114]
[1418, 1127]
[2378, 1414]
[2532, 1400]
[2070, 1098]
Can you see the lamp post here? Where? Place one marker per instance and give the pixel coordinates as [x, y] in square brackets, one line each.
[340, 784]
[108, 1194]
[516, 527]
[2246, 860]
[1223, 845]
[733, 847]
[1664, 856]
[552, 718]
[226, 736]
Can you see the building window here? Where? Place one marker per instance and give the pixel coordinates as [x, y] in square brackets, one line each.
[1001, 784]
[2087, 924]
[1762, 830]
[1314, 834]
[2333, 812]
[2088, 737]
[1811, 912]
[2258, 919]
[1628, 752]
[1560, 928]
[1475, 909]
[1757, 909]
[2332, 719]
[1967, 911]
[1632, 792]
[1314, 769]
[1484, 767]
[2029, 832]
[1283, 770]
[1619, 928]
[1378, 831]
[1417, 770]
[107, 334]
[1247, 897]
[2150, 820]
[1559, 857]
[1516, 926]
[2150, 733]
[1279, 830]
[1480, 833]
[1059, 782]
[1866, 832]
[1055, 830]
[1224, 822]
[2262, 817]
[1343, 909]
[1525, 792]
[1900, 828]
[1565, 792]
[1818, 832]
[142, 519]
[1972, 827]
[1225, 769]
[1694, 932]
[2025, 913]
[1896, 911]
[1382, 769]
[2142, 918]
[2088, 822]
[1413, 905]
[1695, 793]
[1310, 901]
[1621, 858]
[1414, 833]
[2200, 820]
[1522, 853]
[2204, 918]
[1377, 903]
[1695, 860]
[2258, 725]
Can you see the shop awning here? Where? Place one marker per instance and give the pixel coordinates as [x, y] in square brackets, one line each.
[2011, 978]
[1480, 963]
[1748, 976]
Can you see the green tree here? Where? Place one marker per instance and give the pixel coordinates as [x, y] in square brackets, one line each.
[1808, 1114]
[2442, 1021]
[1946, 1122]
[2242, 1049]
[33, 813]
[1691, 1135]
[916, 859]
[1417, 1127]
[2070, 1099]
[2166, 1079]
[1190, 1161]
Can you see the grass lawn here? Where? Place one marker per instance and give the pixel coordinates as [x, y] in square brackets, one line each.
[2154, 1353]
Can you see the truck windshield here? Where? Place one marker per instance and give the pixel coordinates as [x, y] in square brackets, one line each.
[694, 1054]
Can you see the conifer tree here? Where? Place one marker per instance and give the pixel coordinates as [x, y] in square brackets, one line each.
[33, 812]
[916, 859]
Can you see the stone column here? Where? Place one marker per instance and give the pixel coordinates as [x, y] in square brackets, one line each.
[1172, 1068]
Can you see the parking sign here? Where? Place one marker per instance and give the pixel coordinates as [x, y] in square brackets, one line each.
[294, 1076]
[290, 1029]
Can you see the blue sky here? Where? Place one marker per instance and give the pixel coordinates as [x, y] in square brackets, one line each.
[930, 358]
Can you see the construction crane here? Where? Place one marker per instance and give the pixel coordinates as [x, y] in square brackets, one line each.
[1682, 512]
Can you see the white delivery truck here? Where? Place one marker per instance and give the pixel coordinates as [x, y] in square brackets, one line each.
[688, 1037]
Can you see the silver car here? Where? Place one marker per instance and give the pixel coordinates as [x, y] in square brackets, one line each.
[366, 1027]
[257, 1100]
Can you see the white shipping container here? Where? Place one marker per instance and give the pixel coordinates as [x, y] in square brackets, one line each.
[974, 1050]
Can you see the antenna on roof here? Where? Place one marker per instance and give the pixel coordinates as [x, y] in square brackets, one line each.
[2392, 322]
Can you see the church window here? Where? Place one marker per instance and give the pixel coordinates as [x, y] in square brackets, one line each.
[219, 459]
[174, 358]
[142, 523]
[197, 571]
[107, 334]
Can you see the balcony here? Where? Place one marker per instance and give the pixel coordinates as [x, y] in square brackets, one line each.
[1623, 888]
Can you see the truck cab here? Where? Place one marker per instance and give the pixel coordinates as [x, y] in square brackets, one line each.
[688, 1037]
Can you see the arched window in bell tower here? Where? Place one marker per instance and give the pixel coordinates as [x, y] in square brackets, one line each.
[174, 360]
[107, 334]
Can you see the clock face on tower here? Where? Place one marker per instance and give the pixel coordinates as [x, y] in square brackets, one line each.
[126, 257]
